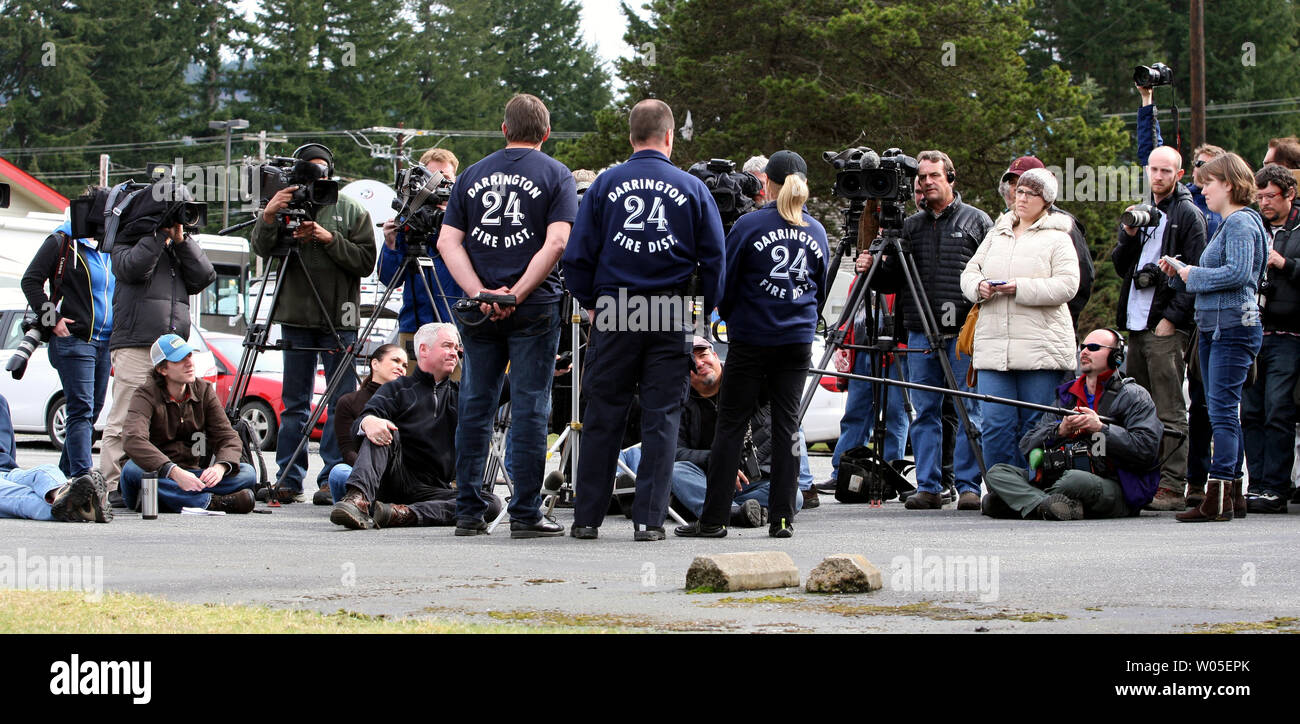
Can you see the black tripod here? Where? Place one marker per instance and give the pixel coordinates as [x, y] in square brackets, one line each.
[882, 480]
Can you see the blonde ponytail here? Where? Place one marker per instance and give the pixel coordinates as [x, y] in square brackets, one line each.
[790, 199]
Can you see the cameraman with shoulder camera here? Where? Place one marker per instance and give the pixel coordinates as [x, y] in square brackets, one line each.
[157, 266]
[76, 318]
[336, 250]
[417, 308]
[942, 237]
[1159, 317]
[1086, 467]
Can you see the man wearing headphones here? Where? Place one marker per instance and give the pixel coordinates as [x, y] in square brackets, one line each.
[1083, 467]
[335, 250]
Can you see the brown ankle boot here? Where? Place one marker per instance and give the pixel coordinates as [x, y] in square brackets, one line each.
[1217, 506]
[1238, 499]
[388, 515]
[353, 511]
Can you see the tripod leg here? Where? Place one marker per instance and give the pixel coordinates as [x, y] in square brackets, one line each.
[835, 336]
[940, 350]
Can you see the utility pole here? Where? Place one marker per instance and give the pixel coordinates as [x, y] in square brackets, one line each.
[227, 126]
[1197, 72]
[262, 139]
[103, 169]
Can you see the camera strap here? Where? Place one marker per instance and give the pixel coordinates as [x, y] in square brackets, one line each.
[56, 281]
[113, 211]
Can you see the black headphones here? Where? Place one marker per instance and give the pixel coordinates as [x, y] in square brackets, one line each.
[1116, 356]
[297, 153]
[952, 177]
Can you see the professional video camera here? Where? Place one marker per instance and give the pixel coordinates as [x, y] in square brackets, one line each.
[314, 190]
[1051, 463]
[733, 191]
[130, 210]
[1154, 75]
[862, 175]
[421, 196]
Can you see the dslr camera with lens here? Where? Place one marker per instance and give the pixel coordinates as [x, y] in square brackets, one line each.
[34, 335]
[1142, 216]
[1149, 275]
[1153, 75]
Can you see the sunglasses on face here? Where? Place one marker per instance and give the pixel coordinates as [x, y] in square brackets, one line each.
[1198, 163]
[1093, 347]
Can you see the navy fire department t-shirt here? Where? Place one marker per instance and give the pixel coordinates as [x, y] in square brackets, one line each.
[504, 204]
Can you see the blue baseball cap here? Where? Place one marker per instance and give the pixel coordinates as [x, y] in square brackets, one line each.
[170, 347]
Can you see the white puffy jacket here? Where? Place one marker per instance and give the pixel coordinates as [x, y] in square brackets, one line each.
[1032, 329]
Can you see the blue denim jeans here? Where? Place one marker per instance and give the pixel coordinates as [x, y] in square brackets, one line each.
[1004, 425]
[299, 388]
[526, 340]
[856, 425]
[338, 480]
[927, 428]
[1224, 364]
[83, 369]
[690, 484]
[22, 492]
[1268, 415]
[171, 498]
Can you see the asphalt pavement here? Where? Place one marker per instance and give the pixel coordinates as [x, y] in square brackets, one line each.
[943, 571]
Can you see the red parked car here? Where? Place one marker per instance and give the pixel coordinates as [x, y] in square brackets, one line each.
[261, 406]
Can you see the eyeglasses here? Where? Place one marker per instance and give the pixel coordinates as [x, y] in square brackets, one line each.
[1093, 347]
[1267, 197]
[1198, 163]
[1026, 192]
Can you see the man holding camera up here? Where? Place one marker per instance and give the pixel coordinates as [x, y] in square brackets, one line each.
[943, 237]
[1086, 468]
[156, 268]
[1160, 319]
[506, 226]
[643, 230]
[335, 251]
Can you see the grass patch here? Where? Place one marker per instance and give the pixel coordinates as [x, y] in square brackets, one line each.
[605, 621]
[753, 600]
[1280, 624]
[69, 612]
[703, 589]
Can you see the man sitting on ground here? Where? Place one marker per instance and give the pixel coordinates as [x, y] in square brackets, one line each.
[175, 423]
[1111, 469]
[407, 460]
[42, 492]
[695, 438]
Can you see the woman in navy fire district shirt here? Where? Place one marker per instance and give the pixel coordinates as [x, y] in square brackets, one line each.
[775, 289]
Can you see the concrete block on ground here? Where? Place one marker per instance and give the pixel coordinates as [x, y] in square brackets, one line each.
[743, 571]
[844, 573]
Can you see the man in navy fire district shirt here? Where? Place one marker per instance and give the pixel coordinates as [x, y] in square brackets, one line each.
[506, 225]
[642, 230]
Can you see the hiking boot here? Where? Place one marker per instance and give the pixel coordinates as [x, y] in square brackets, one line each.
[968, 501]
[322, 496]
[1166, 500]
[1266, 503]
[810, 498]
[240, 501]
[646, 533]
[75, 501]
[1217, 506]
[388, 515]
[696, 529]
[921, 500]
[1239, 507]
[749, 515]
[1059, 507]
[353, 511]
[103, 508]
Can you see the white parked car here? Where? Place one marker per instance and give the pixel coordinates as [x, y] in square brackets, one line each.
[36, 401]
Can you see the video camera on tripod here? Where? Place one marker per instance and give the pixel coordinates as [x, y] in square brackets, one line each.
[420, 205]
[733, 191]
[314, 190]
[863, 175]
